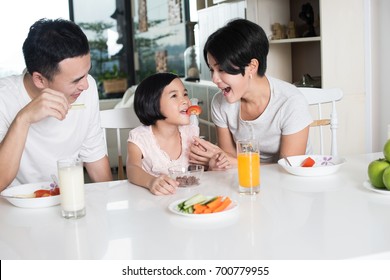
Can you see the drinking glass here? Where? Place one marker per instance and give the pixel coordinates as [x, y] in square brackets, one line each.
[71, 181]
[248, 162]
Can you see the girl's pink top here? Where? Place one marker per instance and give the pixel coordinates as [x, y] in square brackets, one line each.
[155, 161]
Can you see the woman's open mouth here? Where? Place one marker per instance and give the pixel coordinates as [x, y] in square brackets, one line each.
[226, 91]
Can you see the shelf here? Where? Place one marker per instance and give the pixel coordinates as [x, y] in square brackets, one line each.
[296, 40]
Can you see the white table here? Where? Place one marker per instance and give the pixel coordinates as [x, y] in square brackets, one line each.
[330, 217]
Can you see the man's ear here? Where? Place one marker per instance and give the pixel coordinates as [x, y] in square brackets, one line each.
[39, 80]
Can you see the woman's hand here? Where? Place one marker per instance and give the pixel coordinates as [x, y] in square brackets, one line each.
[219, 162]
[205, 153]
[202, 151]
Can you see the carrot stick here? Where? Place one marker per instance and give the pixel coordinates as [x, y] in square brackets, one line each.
[223, 205]
[199, 208]
[215, 203]
[206, 211]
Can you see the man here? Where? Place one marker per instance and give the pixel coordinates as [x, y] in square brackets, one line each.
[39, 123]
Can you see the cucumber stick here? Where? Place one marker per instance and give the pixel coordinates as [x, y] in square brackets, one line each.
[198, 198]
[187, 205]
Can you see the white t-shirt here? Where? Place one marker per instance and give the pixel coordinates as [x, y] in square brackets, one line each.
[287, 113]
[79, 134]
[156, 161]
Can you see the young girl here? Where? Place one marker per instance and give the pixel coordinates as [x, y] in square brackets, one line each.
[161, 103]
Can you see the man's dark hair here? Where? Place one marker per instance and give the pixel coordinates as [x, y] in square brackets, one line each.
[51, 41]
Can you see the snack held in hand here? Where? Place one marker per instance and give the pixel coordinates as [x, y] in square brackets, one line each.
[194, 110]
[308, 162]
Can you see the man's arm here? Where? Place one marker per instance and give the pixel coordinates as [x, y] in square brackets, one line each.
[48, 103]
[11, 150]
[99, 171]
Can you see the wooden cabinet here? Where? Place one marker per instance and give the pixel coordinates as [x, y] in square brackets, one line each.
[337, 54]
[289, 58]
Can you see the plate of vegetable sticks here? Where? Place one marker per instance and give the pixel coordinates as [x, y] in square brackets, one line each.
[200, 206]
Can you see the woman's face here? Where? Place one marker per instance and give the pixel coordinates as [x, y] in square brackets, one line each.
[174, 103]
[233, 87]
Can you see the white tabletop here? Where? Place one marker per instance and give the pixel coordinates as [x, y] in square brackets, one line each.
[331, 217]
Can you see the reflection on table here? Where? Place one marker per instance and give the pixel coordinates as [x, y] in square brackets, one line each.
[330, 217]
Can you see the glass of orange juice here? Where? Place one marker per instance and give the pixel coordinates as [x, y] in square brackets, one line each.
[248, 162]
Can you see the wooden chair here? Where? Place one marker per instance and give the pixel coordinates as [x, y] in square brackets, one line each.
[318, 97]
[118, 119]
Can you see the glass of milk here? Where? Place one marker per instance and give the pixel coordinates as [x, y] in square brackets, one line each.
[71, 181]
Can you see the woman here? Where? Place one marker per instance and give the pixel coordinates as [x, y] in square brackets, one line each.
[250, 105]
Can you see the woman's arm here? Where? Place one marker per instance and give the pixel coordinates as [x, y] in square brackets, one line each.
[294, 144]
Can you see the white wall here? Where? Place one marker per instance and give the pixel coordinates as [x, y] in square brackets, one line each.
[16, 17]
[378, 71]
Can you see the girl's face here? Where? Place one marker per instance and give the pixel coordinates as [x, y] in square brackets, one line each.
[174, 103]
[233, 87]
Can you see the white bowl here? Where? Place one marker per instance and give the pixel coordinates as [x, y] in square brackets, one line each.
[324, 165]
[187, 175]
[27, 189]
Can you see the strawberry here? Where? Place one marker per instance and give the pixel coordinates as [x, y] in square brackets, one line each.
[308, 162]
[42, 193]
[194, 110]
[55, 191]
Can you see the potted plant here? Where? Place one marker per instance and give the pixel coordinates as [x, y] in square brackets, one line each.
[114, 81]
[104, 68]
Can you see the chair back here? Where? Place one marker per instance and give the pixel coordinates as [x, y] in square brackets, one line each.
[118, 119]
[317, 99]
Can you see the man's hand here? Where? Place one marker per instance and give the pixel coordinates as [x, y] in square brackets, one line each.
[49, 103]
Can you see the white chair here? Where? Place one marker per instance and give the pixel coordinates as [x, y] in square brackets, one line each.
[319, 97]
[118, 119]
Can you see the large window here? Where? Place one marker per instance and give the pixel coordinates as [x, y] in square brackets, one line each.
[159, 36]
[99, 20]
[128, 38]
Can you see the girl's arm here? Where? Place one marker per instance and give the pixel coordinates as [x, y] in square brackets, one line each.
[160, 185]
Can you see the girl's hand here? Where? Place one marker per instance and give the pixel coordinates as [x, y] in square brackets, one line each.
[163, 185]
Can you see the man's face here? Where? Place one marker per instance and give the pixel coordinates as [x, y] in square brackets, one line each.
[71, 80]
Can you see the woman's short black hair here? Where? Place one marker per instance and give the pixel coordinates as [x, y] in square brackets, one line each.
[147, 97]
[235, 44]
[51, 41]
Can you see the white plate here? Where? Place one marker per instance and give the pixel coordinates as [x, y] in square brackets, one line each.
[27, 189]
[324, 165]
[228, 211]
[367, 184]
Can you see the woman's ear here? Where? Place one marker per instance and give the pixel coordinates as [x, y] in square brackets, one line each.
[253, 66]
[39, 80]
